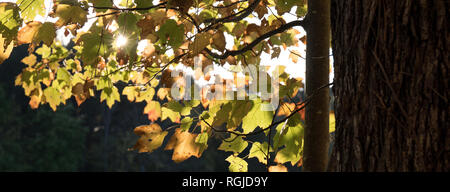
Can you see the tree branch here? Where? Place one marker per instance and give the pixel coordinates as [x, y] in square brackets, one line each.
[256, 41]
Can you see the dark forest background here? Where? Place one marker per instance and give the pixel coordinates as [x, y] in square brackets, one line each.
[86, 138]
[90, 137]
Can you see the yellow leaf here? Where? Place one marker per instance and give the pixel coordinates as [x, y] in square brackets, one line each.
[30, 60]
[152, 137]
[294, 55]
[184, 146]
[153, 110]
[4, 53]
[163, 93]
[130, 92]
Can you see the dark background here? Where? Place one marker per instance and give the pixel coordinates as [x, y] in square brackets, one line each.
[91, 137]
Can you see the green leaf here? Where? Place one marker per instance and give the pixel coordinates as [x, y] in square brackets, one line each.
[143, 4]
[222, 115]
[171, 34]
[53, 97]
[101, 3]
[202, 138]
[30, 8]
[95, 43]
[239, 111]
[171, 110]
[237, 164]
[10, 22]
[256, 117]
[259, 151]
[127, 23]
[63, 75]
[111, 95]
[283, 6]
[186, 124]
[69, 14]
[130, 92]
[289, 135]
[233, 144]
[44, 51]
[46, 33]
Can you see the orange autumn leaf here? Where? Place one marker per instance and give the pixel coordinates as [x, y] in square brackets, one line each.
[184, 146]
[278, 168]
[151, 138]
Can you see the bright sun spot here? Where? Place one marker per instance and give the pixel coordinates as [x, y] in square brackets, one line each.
[121, 41]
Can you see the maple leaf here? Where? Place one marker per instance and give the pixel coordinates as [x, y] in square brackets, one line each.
[46, 33]
[219, 41]
[30, 60]
[70, 14]
[171, 33]
[10, 21]
[278, 168]
[151, 138]
[31, 8]
[153, 110]
[184, 146]
[233, 144]
[27, 33]
[200, 42]
[237, 164]
[259, 151]
[256, 117]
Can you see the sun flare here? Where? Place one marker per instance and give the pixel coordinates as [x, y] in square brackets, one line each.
[120, 41]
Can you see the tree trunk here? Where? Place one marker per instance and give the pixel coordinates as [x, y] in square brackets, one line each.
[315, 154]
[391, 64]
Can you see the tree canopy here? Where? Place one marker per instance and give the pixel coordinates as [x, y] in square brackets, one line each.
[133, 48]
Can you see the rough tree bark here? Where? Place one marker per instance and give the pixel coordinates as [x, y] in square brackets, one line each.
[391, 64]
[315, 154]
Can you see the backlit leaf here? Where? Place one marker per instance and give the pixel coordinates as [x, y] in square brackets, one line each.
[200, 42]
[153, 110]
[10, 22]
[111, 95]
[53, 97]
[278, 168]
[151, 138]
[184, 146]
[4, 53]
[171, 33]
[70, 14]
[259, 151]
[256, 117]
[233, 144]
[46, 33]
[237, 164]
[30, 8]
